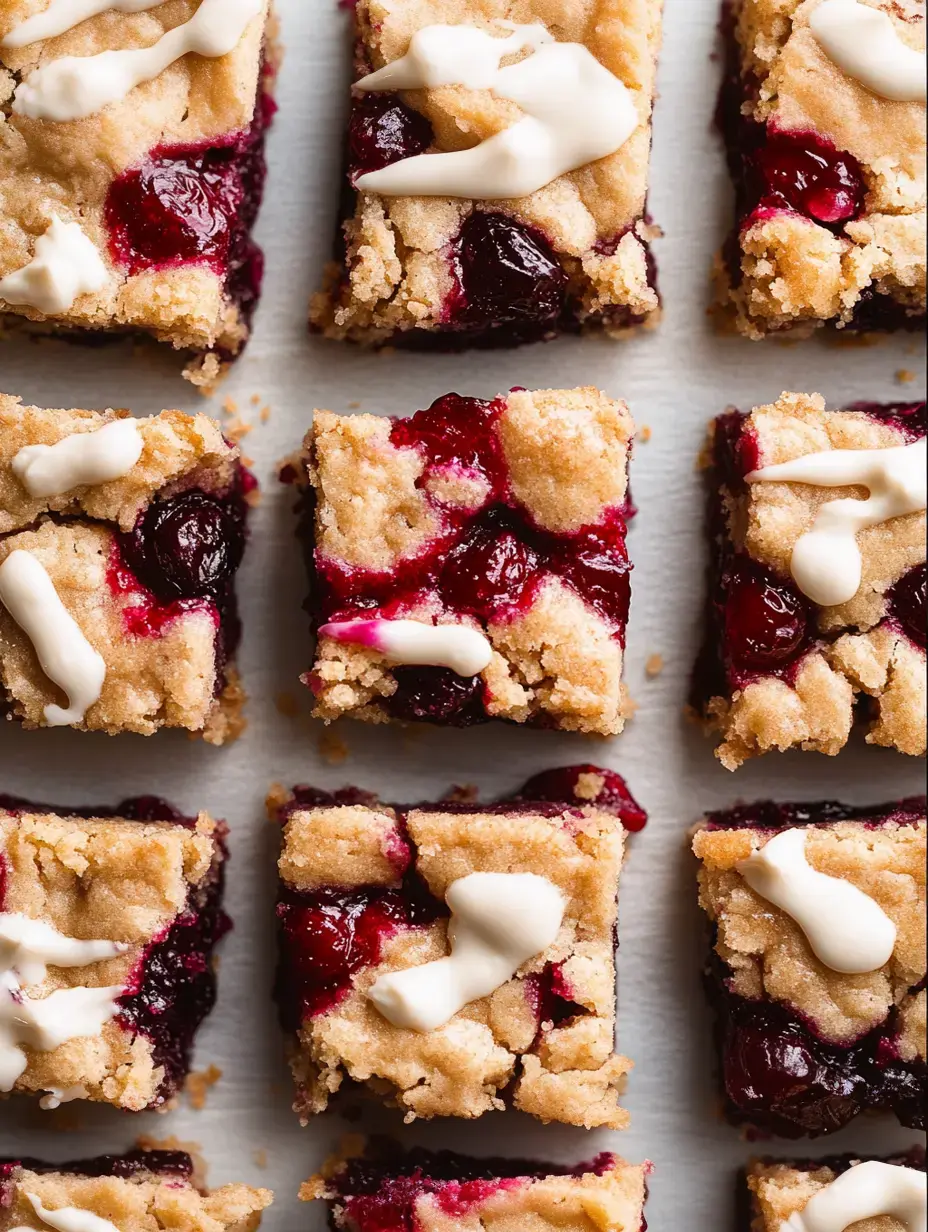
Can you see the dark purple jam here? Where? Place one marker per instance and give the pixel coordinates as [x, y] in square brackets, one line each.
[561, 787]
[772, 815]
[383, 130]
[175, 1164]
[907, 602]
[803, 173]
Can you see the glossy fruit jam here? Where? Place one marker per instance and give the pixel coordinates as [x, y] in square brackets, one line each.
[487, 562]
[173, 985]
[328, 935]
[176, 1165]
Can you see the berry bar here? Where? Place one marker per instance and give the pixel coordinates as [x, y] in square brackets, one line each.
[108, 922]
[823, 114]
[470, 563]
[133, 169]
[816, 618]
[523, 1007]
[392, 1190]
[119, 543]
[151, 1189]
[497, 173]
[817, 973]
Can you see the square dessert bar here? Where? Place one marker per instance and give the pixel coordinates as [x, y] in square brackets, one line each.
[817, 972]
[108, 923]
[470, 563]
[382, 1186]
[823, 114]
[884, 1194]
[129, 185]
[816, 616]
[524, 1006]
[152, 1189]
[119, 543]
[506, 203]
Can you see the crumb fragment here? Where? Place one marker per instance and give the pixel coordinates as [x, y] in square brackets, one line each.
[654, 665]
[238, 429]
[198, 1085]
[277, 797]
[255, 399]
[354, 406]
[905, 376]
[332, 748]
[230, 406]
[260, 1158]
[644, 434]
[265, 414]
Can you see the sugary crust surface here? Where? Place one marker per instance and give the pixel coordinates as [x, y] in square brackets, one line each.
[398, 275]
[145, 1203]
[613, 1202]
[66, 169]
[796, 273]
[106, 880]
[768, 955]
[567, 456]
[863, 652]
[570, 1072]
[779, 1191]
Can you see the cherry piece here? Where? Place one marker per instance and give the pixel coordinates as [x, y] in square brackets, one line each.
[909, 604]
[456, 433]
[188, 547]
[595, 563]
[803, 172]
[382, 130]
[509, 274]
[561, 786]
[766, 621]
[489, 570]
[436, 695]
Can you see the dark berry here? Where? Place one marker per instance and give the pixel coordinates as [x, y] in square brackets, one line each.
[509, 274]
[436, 695]
[909, 604]
[489, 570]
[191, 546]
[382, 130]
[456, 432]
[805, 173]
[560, 786]
[766, 621]
[595, 563]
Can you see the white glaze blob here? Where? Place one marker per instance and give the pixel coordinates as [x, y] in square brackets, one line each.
[81, 458]
[864, 43]
[68, 1218]
[826, 562]
[576, 112]
[63, 15]
[54, 1097]
[75, 87]
[865, 1191]
[65, 655]
[465, 650]
[498, 922]
[65, 265]
[27, 948]
[846, 929]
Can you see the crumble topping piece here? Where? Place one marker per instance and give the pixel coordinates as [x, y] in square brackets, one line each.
[525, 242]
[364, 902]
[791, 976]
[499, 527]
[118, 557]
[779, 669]
[828, 160]
[108, 923]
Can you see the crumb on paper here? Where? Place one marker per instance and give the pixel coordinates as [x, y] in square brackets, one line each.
[354, 406]
[253, 498]
[332, 748]
[230, 406]
[463, 793]
[260, 1157]
[277, 796]
[654, 665]
[238, 429]
[644, 433]
[905, 376]
[198, 1085]
[255, 399]
[265, 414]
[287, 704]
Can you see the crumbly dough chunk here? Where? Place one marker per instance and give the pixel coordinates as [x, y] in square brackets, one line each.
[794, 273]
[108, 880]
[147, 1202]
[779, 1190]
[66, 169]
[566, 1072]
[397, 275]
[862, 653]
[768, 954]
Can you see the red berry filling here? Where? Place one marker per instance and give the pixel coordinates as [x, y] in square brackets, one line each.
[174, 1164]
[804, 173]
[907, 602]
[383, 130]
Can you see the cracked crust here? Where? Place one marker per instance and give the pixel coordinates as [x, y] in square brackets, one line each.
[555, 660]
[568, 1072]
[793, 273]
[767, 954]
[163, 680]
[780, 1190]
[110, 880]
[195, 101]
[397, 275]
[861, 651]
[141, 1203]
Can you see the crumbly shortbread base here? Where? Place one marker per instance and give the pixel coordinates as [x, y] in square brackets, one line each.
[779, 1191]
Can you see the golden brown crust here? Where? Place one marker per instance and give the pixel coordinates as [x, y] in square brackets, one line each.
[568, 1072]
[768, 955]
[796, 274]
[779, 1190]
[398, 273]
[103, 880]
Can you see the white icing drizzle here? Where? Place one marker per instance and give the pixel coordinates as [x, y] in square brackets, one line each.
[81, 458]
[68, 1218]
[465, 650]
[498, 922]
[65, 265]
[75, 87]
[576, 112]
[63, 15]
[866, 1191]
[54, 1097]
[826, 561]
[864, 43]
[65, 655]
[846, 928]
[27, 948]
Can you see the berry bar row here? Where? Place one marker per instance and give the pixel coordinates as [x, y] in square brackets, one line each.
[468, 563]
[496, 171]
